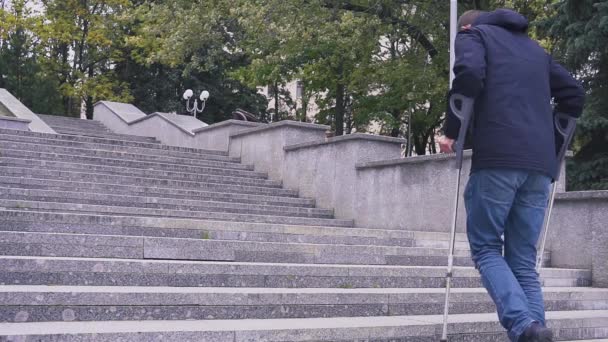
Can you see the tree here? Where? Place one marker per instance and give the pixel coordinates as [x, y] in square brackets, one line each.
[579, 31]
[409, 73]
[363, 59]
[20, 69]
[189, 44]
[81, 44]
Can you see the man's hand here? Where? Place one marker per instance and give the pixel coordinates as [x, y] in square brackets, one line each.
[446, 145]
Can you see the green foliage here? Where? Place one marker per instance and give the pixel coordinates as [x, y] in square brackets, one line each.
[80, 44]
[20, 70]
[580, 32]
[368, 64]
[175, 45]
[364, 62]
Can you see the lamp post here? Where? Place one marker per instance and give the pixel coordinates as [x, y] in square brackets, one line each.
[195, 108]
[453, 31]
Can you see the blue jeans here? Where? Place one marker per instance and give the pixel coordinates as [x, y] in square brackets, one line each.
[509, 203]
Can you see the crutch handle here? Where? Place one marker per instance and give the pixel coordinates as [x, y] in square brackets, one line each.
[567, 133]
[464, 114]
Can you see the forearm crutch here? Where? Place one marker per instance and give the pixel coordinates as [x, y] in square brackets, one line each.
[567, 133]
[464, 114]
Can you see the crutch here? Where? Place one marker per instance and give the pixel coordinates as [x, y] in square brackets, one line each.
[464, 114]
[567, 133]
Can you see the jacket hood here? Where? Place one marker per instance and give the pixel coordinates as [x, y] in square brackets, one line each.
[505, 18]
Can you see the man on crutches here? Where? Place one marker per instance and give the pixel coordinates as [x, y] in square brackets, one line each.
[512, 81]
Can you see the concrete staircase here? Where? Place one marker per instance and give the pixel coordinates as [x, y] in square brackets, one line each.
[108, 237]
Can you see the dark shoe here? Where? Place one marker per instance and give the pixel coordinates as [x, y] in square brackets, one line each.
[536, 333]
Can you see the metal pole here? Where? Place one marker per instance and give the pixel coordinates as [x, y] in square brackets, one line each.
[453, 32]
[543, 239]
[567, 132]
[448, 284]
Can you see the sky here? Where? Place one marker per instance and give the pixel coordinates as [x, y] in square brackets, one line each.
[33, 4]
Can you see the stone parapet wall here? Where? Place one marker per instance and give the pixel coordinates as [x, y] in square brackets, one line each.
[170, 129]
[263, 146]
[12, 107]
[10, 122]
[579, 233]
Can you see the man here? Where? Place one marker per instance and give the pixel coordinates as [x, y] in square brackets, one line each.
[513, 81]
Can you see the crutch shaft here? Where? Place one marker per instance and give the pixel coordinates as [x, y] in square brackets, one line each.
[545, 231]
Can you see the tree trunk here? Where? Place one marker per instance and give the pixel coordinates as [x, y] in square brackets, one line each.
[276, 101]
[396, 130]
[340, 109]
[408, 151]
[89, 99]
[304, 117]
[63, 79]
[420, 145]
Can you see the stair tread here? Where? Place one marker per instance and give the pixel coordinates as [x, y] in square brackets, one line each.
[45, 328]
[103, 144]
[263, 290]
[284, 268]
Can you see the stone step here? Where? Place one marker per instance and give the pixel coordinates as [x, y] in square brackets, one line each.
[121, 152]
[147, 191]
[39, 221]
[136, 247]
[152, 150]
[134, 211]
[215, 231]
[127, 155]
[110, 303]
[115, 142]
[26, 270]
[68, 120]
[18, 158]
[104, 135]
[56, 121]
[104, 178]
[78, 132]
[150, 202]
[68, 129]
[131, 176]
[60, 128]
[567, 325]
[79, 124]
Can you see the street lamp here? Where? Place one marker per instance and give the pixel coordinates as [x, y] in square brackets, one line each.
[195, 109]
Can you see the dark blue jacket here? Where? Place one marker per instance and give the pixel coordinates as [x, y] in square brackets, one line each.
[513, 81]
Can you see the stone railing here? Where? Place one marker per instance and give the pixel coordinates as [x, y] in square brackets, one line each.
[170, 129]
[264, 146]
[325, 170]
[579, 233]
[11, 105]
[362, 177]
[11, 122]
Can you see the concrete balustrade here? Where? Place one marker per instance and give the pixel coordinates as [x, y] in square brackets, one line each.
[263, 146]
[10, 106]
[411, 193]
[9, 122]
[579, 233]
[415, 191]
[170, 129]
[325, 170]
[217, 136]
